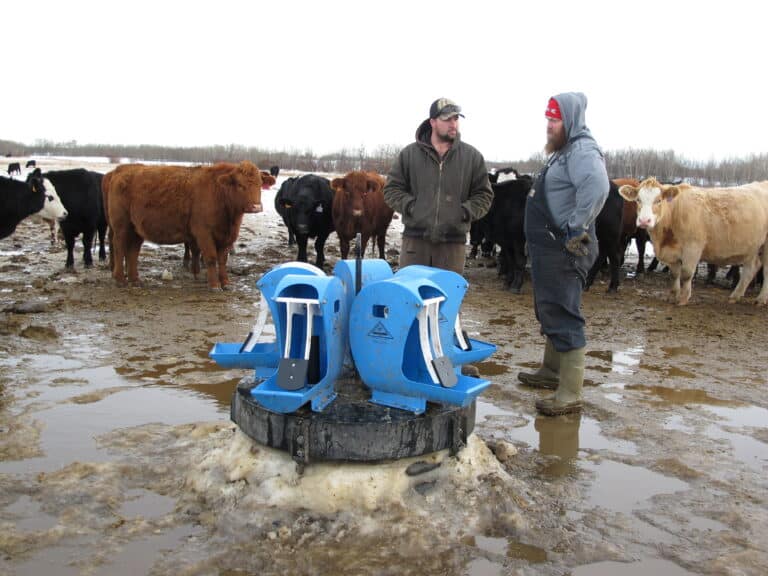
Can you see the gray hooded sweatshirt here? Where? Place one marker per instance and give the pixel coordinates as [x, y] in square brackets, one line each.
[576, 183]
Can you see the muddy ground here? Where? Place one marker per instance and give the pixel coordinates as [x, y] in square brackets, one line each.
[117, 455]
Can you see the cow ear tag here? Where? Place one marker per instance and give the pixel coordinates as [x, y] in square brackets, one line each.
[319, 208]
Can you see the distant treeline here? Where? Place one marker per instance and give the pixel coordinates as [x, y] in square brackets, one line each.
[665, 165]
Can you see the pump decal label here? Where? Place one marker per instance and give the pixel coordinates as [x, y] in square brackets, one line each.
[380, 331]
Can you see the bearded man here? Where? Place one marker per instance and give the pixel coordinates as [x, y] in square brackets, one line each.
[440, 185]
[560, 214]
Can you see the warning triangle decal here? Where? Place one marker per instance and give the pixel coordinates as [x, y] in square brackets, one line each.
[380, 331]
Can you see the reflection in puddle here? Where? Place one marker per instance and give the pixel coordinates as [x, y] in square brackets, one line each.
[627, 361]
[509, 548]
[751, 452]
[623, 488]
[681, 396]
[641, 568]
[484, 409]
[70, 429]
[746, 416]
[564, 437]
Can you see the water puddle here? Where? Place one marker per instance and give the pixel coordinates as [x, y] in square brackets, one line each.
[146, 504]
[28, 516]
[626, 361]
[680, 396]
[624, 488]
[563, 437]
[71, 428]
[641, 568]
[751, 452]
[489, 369]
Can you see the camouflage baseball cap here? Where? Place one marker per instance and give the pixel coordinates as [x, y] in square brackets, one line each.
[445, 109]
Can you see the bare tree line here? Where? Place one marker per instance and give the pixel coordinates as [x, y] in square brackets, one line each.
[665, 165]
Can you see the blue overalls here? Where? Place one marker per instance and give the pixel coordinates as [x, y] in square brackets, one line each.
[558, 276]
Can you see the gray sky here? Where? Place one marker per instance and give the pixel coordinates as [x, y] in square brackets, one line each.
[323, 75]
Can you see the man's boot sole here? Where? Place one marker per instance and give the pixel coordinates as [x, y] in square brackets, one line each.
[537, 382]
[548, 409]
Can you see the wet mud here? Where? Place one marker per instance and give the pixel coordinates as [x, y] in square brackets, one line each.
[117, 455]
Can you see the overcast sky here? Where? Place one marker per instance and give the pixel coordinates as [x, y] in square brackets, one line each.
[324, 75]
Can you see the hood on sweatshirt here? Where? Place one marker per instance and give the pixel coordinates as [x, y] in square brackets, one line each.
[573, 106]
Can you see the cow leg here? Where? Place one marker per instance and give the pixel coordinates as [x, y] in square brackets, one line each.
[762, 297]
[117, 252]
[601, 258]
[301, 241]
[518, 268]
[69, 240]
[614, 263]
[344, 247]
[223, 254]
[132, 259]
[686, 272]
[87, 245]
[102, 249]
[320, 250]
[195, 260]
[641, 237]
[748, 271]
[674, 269]
[364, 245]
[381, 240]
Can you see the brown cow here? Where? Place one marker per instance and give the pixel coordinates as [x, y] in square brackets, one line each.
[718, 225]
[358, 206]
[202, 206]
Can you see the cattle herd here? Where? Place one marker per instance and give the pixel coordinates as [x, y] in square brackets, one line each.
[202, 207]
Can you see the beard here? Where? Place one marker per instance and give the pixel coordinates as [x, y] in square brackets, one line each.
[555, 141]
[446, 136]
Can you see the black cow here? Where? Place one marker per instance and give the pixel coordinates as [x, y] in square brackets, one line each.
[80, 192]
[31, 164]
[507, 216]
[281, 209]
[274, 171]
[608, 227]
[21, 199]
[14, 168]
[305, 203]
[503, 225]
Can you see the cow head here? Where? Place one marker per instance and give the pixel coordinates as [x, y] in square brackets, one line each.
[241, 186]
[650, 196]
[52, 208]
[306, 203]
[354, 188]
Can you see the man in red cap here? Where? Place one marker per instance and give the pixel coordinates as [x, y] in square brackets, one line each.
[560, 231]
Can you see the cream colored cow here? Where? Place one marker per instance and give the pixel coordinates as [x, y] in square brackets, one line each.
[717, 225]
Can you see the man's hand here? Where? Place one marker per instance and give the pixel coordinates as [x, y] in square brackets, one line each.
[578, 245]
